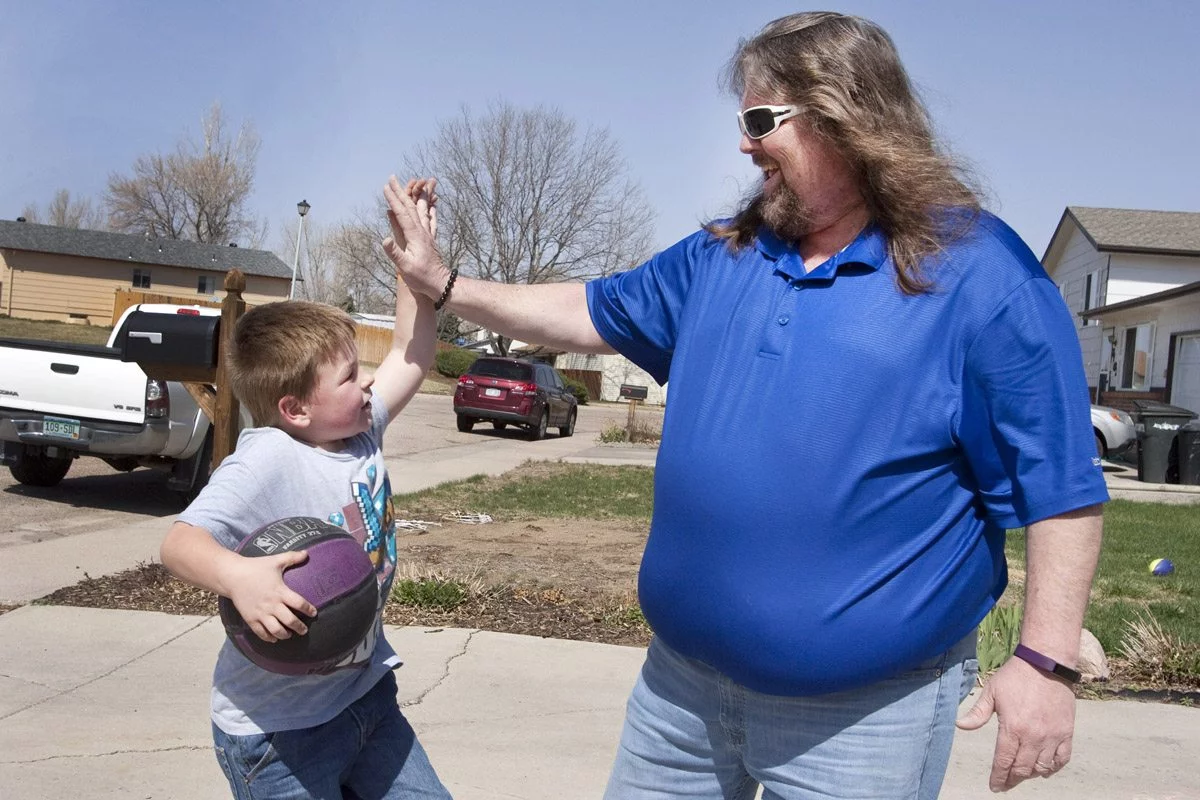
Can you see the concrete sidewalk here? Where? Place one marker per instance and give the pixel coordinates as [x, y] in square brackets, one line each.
[112, 704]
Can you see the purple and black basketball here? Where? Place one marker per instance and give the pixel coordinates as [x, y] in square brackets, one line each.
[337, 578]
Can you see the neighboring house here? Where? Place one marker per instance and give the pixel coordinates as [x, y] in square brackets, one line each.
[68, 274]
[1132, 280]
[615, 370]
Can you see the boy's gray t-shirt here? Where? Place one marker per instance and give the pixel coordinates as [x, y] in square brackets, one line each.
[268, 477]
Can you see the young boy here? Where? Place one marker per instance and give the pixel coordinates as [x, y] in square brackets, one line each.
[318, 453]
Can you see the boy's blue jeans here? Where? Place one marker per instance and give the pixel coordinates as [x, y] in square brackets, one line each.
[367, 751]
[690, 732]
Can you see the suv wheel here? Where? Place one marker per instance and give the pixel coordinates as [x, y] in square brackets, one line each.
[465, 423]
[569, 428]
[499, 425]
[538, 432]
[1099, 445]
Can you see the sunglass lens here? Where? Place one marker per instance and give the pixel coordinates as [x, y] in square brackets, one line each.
[758, 121]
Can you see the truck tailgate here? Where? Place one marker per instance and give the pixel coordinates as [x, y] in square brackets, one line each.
[76, 381]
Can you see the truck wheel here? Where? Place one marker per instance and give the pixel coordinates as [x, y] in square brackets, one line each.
[39, 469]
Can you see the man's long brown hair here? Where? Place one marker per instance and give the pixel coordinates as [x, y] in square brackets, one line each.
[846, 75]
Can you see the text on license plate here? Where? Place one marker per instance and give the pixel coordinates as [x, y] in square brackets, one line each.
[58, 426]
[491, 392]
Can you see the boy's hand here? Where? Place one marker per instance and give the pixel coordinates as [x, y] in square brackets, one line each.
[267, 604]
[412, 217]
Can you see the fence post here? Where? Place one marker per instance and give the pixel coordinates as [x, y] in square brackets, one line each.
[226, 424]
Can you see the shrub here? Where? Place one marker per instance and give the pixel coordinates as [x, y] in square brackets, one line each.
[998, 635]
[453, 363]
[643, 432]
[577, 388]
[439, 593]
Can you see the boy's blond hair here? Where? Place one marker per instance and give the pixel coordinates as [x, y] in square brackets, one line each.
[277, 350]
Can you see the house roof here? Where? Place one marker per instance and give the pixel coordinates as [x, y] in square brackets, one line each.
[1144, 300]
[139, 249]
[1124, 230]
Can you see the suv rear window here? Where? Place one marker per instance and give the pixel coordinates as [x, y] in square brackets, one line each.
[508, 370]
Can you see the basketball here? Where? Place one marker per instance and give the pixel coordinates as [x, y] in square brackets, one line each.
[338, 578]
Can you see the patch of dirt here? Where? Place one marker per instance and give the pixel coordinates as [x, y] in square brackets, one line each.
[564, 579]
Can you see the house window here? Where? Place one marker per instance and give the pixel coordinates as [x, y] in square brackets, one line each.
[1135, 357]
[141, 279]
[1091, 294]
[206, 284]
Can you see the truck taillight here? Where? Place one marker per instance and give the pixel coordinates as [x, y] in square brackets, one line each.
[158, 399]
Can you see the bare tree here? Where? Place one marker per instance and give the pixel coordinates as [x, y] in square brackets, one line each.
[197, 192]
[66, 212]
[526, 197]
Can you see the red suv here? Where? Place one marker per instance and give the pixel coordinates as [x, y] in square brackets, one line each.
[514, 391]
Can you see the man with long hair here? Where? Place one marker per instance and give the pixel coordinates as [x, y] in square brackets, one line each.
[872, 379]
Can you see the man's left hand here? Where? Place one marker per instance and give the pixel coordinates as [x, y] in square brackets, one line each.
[1036, 712]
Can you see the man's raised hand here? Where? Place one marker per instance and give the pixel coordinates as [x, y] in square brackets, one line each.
[412, 247]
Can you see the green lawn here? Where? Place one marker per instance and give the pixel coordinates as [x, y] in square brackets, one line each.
[1134, 535]
[12, 328]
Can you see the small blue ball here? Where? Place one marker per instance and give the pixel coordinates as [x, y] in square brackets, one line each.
[1161, 567]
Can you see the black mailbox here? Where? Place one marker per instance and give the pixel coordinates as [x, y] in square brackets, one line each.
[179, 339]
[631, 392]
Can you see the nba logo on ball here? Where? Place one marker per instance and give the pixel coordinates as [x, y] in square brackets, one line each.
[1161, 566]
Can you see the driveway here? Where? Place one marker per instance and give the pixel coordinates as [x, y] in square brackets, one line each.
[95, 497]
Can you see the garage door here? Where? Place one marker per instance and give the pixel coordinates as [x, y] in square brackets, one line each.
[1185, 381]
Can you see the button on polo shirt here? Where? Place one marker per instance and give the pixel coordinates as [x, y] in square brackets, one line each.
[839, 459]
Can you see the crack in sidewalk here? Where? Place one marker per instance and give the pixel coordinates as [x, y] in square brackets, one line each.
[130, 751]
[416, 701]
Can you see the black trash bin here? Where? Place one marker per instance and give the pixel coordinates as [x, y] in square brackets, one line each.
[1187, 444]
[1158, 425]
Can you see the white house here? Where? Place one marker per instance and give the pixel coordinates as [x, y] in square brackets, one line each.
[1132, 279]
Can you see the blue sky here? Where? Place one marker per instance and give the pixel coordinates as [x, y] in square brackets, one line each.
[1055, 103]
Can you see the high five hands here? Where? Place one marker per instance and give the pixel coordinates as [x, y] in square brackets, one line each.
[412, 247]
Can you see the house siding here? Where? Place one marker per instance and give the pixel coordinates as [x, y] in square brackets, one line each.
[1134, 275]
[1079, 259]
[72, 288]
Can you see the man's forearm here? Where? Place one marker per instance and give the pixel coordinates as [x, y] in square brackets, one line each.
[552, 314]
[1061, 555]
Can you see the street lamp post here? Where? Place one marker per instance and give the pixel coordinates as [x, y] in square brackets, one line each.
[303, 208]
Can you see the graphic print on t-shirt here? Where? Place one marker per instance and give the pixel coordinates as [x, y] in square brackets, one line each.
[371, 519]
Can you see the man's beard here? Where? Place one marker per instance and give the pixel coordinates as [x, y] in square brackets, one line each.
[783, 213]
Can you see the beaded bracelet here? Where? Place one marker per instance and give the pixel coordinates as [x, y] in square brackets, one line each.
[441, 301]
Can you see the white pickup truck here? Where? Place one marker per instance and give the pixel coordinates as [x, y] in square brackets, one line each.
[61, 401]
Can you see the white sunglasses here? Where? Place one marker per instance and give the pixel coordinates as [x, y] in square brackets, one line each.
[759, 121]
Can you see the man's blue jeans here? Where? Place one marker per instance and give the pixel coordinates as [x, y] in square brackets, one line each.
[690, 732]
[367, 751]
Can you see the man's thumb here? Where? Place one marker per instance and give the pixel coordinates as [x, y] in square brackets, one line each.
[979, 714]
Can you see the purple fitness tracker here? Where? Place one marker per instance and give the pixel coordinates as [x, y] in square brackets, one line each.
[1046, 664]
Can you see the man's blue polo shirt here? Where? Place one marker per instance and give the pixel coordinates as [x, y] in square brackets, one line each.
[840, 460]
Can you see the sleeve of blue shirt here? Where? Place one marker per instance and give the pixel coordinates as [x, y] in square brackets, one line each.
[638, 312]
[1025, 422]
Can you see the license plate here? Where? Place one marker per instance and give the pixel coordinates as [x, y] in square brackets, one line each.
[58, 426]
[491, 392]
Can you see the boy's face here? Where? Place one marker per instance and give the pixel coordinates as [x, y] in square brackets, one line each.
[340, 404]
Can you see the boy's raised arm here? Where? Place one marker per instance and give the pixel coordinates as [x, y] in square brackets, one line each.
[414, 341]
